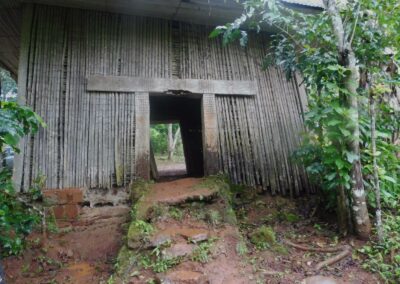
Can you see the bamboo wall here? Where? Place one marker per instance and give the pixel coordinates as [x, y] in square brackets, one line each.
[89, 139]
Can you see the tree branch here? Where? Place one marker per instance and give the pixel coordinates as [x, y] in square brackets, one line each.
[355, 24]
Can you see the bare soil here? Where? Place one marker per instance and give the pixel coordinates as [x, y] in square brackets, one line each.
[291, 220]
[178, 191]
[84, 251]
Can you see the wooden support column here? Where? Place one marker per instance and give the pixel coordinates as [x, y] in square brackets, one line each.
[210, 134]
[19, 179]
[142, 135]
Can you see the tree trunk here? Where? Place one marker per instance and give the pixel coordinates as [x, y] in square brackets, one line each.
[343, 212]
[362, 224]
[378, 213]
[172, 141]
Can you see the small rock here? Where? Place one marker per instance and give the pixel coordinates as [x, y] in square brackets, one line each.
[319, 280]
[159, 239]
[178, 250]
[184, 277]
[194, 235]
[70, 253]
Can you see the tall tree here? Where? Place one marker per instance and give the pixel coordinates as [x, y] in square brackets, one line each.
[348, 60]
[172, 140]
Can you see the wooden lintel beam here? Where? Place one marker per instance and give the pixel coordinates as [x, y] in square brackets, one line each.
[99, 83]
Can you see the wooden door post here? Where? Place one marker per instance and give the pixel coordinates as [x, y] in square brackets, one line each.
[21, 159]
[210, 134]
[142, 135]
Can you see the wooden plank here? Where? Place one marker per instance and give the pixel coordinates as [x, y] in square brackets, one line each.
[210, 134]
[99, 83]
[153, 165]
[142, 135]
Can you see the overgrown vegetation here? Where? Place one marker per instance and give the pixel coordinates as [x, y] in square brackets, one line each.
[8, 88]
[166, 141]
[18, 216]
[348, 55]
[156, 261]
[384, 258]
[203, 251]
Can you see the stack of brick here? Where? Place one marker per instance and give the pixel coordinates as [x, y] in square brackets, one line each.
[65, 203]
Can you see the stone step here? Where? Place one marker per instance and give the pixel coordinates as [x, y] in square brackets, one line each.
[319, 280]
[178, 192]
[178, 250]
[190, 234]
[183, 277]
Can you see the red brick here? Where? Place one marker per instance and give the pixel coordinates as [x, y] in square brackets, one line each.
[67, 211]
[71, 211]
[64, 196]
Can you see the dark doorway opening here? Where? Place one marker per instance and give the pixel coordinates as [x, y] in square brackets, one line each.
[185, 110]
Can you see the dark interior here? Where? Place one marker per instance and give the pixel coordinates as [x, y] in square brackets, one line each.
[187, 111]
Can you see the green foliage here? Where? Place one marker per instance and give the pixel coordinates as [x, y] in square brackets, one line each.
[263, 237]
[159, 139]
[288, 217]
[241, 248]
[157, 262]
[15, 122]
[214, 217]
[145, 229]
[8, 85]
[202, 252]
[175, 213]
[16, 219]
[384, 258]
[305, 43]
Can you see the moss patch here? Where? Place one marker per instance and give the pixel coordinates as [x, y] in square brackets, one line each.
[126, 260]
[139, 188]
[263, 237]
[138, 231]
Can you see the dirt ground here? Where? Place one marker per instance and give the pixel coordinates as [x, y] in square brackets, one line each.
[84, 251]
[291, 220]
[170, 169]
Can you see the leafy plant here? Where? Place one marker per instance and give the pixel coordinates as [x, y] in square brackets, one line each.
[241, 248]
[175, 213]
[17, 216]
[263, 237]
[16, 219]
[202, 252]
[157, 262]
[336, 149]
[214, 217]
[384, 258]
[159, 140]
[145, 228]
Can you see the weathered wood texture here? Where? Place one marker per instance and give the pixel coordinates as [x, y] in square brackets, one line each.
[210, 134]
[10, 28]
[142, 135]
[90, 139]
[160, 85]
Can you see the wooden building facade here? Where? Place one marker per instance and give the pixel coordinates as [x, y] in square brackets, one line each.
[99, 79]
